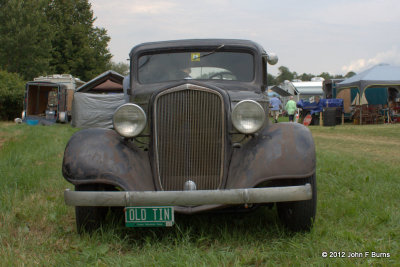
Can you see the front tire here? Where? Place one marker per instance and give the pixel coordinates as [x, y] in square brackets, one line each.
[300, 215]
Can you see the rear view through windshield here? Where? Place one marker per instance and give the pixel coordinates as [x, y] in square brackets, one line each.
[234, 66]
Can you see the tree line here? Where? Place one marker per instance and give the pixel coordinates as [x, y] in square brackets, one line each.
[39, 37]
[43, 37]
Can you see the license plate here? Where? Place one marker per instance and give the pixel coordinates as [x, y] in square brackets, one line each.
[149, 216]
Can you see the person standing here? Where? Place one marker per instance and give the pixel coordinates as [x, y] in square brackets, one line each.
[291, 108]
[275, 104]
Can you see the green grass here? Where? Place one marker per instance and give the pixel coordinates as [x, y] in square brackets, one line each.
[358, 210]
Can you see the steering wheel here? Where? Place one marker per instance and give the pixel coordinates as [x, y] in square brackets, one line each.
[226, 75]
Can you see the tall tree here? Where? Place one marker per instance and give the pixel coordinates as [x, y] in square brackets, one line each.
[11, 95]
[325, 75]
[350, 74]
[271, 79]
[285, 74]
[306, 77]
[79, 47]
[25, 37]
[121, 67]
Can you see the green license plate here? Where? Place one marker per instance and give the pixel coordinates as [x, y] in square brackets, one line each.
[149, 216]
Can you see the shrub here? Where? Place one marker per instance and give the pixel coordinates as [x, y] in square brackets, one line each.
[12, 88]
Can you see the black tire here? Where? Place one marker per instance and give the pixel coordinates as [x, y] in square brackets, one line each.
[89, 219]
[299, 215]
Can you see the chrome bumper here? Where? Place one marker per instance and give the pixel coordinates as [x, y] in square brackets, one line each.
[188, 198]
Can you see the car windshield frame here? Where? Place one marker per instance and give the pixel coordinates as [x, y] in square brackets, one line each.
[198, 64]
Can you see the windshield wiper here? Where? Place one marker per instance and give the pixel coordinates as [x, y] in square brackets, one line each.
[147, 60]
[212, 52]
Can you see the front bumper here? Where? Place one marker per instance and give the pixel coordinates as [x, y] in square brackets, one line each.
[188, 198]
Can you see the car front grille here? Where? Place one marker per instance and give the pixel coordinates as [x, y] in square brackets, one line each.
[189, 127]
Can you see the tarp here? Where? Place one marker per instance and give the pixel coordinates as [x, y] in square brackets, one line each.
[315, 107]
[95, 110]
[377, 96]
[382, 75]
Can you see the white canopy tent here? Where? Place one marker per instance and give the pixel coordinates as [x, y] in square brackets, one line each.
[381, 75]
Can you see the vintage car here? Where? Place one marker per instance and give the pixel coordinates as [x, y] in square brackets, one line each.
[194, 137]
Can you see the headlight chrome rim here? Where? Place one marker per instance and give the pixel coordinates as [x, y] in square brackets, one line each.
[129, 120]
[239, 124]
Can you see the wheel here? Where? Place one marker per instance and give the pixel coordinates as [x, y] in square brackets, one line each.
[299, 215]
[89, 219]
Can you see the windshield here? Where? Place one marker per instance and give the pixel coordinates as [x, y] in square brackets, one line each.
[204, 65]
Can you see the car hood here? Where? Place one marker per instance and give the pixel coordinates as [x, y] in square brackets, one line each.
[235, 91]
[239, 91]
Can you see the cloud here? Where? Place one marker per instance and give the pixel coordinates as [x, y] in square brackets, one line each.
[310, 36]
[151, 8]
[391, 56]
[357, 12]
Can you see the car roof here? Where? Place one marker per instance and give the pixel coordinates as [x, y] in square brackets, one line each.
[196, 43]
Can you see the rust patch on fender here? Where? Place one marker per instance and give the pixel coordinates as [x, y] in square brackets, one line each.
[282, 151]
[102, 156]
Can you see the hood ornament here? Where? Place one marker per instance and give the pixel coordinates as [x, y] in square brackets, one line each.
[189, 186]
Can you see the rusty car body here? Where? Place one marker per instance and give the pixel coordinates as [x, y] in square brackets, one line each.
[194, 136]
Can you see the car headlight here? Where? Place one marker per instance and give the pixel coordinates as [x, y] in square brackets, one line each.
[129, 120]
[248, 116]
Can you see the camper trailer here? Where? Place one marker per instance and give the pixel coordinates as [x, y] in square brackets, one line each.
[45, 101]
[50, 97]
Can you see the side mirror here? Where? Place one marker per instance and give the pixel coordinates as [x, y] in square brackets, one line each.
[271, 58]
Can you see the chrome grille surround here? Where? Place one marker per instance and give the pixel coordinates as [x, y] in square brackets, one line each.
[189, 137]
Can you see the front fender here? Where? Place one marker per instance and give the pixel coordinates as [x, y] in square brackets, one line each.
[102, 156]
[281, 151]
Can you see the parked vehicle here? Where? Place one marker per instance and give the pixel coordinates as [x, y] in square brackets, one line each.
[194, 138]
[45, 101]
[50, 97]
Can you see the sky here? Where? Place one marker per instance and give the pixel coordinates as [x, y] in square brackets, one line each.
[309, 36]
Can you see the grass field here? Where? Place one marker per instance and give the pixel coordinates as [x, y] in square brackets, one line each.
[358, 174]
